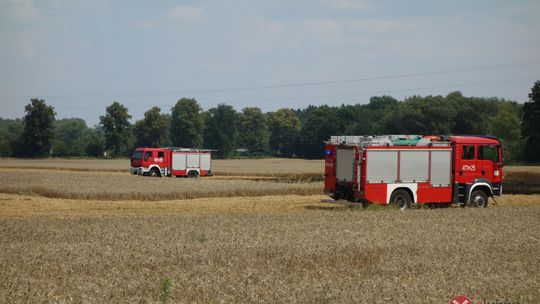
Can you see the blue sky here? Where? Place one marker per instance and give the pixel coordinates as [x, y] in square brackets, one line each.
[82, 55]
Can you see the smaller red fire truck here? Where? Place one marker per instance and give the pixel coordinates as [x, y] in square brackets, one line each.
[414, 169]
[171, 161]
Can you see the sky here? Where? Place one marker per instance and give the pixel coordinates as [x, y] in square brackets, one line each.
[82, 55]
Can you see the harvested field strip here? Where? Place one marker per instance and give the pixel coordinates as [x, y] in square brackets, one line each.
[267, 166]
[98, 186]
[53, 168]
[12, 205]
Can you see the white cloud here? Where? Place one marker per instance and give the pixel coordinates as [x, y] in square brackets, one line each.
[179, 17]
[382, 25]
[184, 13]
[350, 5]
[527, 8]
[21, 9]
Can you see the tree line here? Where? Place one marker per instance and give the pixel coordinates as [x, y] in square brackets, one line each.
[285, 132]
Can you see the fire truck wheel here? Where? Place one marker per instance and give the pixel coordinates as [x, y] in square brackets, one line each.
[193, 174]
[479, 199]
[401, 199]
[154, 173]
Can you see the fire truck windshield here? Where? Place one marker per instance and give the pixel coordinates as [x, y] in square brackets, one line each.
[137, 155]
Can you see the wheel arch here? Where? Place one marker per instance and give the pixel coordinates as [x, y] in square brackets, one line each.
[193, 169]
[484, 186]
[410, 188]
[156, 167]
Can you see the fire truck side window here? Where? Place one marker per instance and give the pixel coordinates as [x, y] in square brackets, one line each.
[147, 154]
[467, 152]
[161, 154]
[488, 153]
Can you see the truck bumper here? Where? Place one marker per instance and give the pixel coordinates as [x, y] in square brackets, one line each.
[137, 170]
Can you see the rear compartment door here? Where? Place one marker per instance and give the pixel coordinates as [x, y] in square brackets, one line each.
[193, 160]
[178, 161]
[205, 161]
[344, 165]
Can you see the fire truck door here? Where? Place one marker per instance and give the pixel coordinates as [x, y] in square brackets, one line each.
[488, 157]
[467, 168]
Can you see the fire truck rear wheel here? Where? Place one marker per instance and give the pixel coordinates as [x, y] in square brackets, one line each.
[479, 199]
[401, 199]
[193, 174]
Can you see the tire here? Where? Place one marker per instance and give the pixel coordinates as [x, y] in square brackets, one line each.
[401, 199]
[193, 174]
[478, 199]
[154, 173]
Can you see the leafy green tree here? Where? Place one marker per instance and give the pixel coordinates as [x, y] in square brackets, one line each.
[284, 131]
[221, 130]
[531, 125]
[70, 137]
[377, 115]
[38, 128]
[11, 137]
[187, 124]
[152, 131]
[96, 142]
[506, 126]
[117, 129]
[320, 125]
[362, 123]
[423, 115]
[255, 134]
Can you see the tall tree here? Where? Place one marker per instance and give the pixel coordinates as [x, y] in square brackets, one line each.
[531, 124]
[221, 130]
[424, 115]
[187, 124]
[11, 137]
[378, 115]
[284, 131]
[320, 125]
[254, 135]
[96, 142]
[38, 128]
[117, 129]
[70, 137]
[152, 130]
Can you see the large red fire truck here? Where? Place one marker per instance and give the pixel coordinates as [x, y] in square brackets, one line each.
[171, 162]
[414, 169]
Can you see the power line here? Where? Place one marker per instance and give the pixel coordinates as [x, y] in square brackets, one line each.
[287, 85]
[468, 84]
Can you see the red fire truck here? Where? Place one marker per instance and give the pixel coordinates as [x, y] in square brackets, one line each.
[171, 162]
[414, 169]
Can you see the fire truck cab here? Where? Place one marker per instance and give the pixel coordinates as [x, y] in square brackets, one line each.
[414, 169]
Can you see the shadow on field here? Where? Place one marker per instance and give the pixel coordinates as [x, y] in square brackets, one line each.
[345, 207]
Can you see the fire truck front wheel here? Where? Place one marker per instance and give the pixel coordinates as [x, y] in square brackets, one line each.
[154, 173]
[479, 199]
[401, 199]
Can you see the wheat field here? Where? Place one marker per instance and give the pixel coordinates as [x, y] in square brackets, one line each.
[254, 167]
[73, 232]
[264, 250]
[122, 186]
